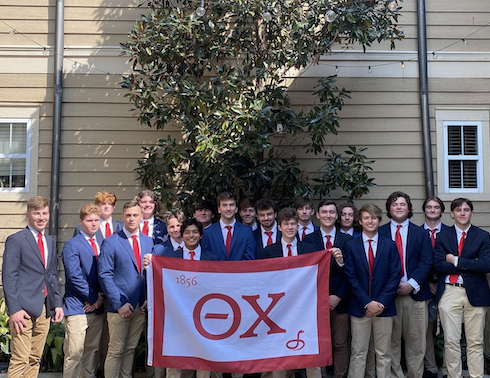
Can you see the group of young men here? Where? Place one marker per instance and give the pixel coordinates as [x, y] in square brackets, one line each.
[382, 278]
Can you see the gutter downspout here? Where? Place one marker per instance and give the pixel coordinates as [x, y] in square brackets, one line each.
[424, 98]
[57, 102]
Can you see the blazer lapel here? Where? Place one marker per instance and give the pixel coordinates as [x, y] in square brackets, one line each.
[234, 236]
[470, 237]
[125, 243]
[362, 253]
[33, 243]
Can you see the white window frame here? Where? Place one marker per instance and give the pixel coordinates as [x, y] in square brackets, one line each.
[478, 158]
[29, 116]
[463, 117]
[26, 155]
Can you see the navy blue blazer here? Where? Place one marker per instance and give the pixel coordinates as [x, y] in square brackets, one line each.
[24, 276]
[242, 242]
[98, 234]
[386, 276]
[473, 263]
[259, 251]
[179, 253]
[275, 250]
[162, 249]
[81, 276]
[118, 271]
[338, 282]
[418, 258]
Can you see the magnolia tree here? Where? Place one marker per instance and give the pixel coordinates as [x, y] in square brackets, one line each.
[213, 77]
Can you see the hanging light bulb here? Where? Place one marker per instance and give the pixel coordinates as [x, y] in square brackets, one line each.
[336, 69]
[331, 15]
[465, 41]
[45, 51]
[201, 11]
[369, 70]
[403, 65]
[266, 16]
[434, 56]
[392, 5]
[74, 65]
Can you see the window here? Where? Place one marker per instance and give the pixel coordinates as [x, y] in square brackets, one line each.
[14, 158]
[463, 144]
[19, 139]
[463, 156]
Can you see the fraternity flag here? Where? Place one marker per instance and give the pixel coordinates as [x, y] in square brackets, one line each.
[239, 316]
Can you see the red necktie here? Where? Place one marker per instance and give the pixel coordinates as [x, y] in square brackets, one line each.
[328, 244]
[269, 237]
[454, 277]
[146, 228]
[107, 230]
[192, 253]
[371, 263]
[94, 247]
[433, 237]
[40, 245]
[136, 251]
[228, 240]
[304, 233]
[290, 253]
[399, 246]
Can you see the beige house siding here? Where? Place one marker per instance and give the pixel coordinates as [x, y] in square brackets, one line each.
[101, 139]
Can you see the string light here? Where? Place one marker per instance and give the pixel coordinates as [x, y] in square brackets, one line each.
[266, 16]
[331, 16]
[201, 11]
[74, 65]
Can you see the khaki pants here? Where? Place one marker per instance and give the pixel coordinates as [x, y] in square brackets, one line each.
[361, 329]
[124, 335]
[340, 343]
[453, 307]
[410, 323]
[311, 372]
[81, 345]
[183, 373]
[27, 347]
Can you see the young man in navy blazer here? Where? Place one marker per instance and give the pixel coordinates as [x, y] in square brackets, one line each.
[174, 222]
[30, 268]
[372, 267]
[150, 225]
[329, 237]
[229, 239]
[462, 259]
[305, 211]
[83, 300]
[411, 320]
[433, 207]
[267, 233]
[287, 246]
[123, 283]
[106, 201]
